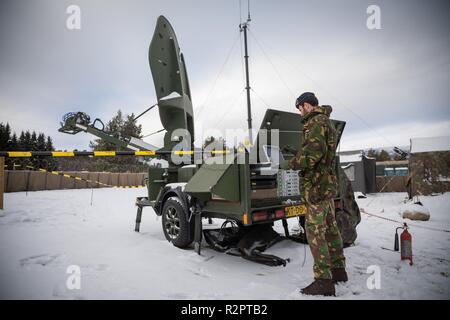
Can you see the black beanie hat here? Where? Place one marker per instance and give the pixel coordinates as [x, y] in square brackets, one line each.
[308, 97]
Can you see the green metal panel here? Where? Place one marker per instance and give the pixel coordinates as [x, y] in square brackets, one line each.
[171, 82]
[155, 182]
[289, 125]
[206, 178]
[290, 128]
[186, 173]
[226, 186]
[225, 209]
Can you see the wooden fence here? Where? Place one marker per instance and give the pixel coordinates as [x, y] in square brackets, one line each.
[391, 184]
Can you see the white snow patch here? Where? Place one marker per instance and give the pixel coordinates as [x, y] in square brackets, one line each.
[172, 95]
[414, 207]
[359, 195]
[344, 158]
[414, 211]
[189, 166]
[44, 232]
[176, 199]
[176, 185]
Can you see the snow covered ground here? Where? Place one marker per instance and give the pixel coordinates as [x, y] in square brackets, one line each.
[45, 232]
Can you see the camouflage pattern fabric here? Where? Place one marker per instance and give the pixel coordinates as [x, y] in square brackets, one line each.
[316, 158]
[316, 162]
[324, 239]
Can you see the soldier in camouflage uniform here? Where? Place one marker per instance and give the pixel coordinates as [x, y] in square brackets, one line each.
[315, 161]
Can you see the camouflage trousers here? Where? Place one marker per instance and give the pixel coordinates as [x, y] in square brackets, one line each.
[324, 238]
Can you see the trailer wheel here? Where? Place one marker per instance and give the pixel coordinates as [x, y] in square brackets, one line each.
[177, 229]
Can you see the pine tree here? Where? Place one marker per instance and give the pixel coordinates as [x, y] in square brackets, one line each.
[27, 141]
[2, 135]
[119, 127]
[40, 143]
[384, 156]
[21, 145]
[114, 128]
[33, 141]
[8, 134]
[5, 136]
[130, 128]
[52, 163]
[14, 144]
[49, 144]
[372, 154]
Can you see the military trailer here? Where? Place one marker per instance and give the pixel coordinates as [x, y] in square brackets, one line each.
[242, 185]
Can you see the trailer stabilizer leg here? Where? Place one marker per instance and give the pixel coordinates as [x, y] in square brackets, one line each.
[198, 233]
[286, 228]
[138, 219]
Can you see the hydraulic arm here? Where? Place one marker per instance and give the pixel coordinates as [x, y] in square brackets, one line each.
[75, 122]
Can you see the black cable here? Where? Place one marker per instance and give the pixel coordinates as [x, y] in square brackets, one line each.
[332, 96]
[260, 98]
[148, 135]
[201, 107]
[272, 64]
[233, 229]
[145, 111]
[229, 109]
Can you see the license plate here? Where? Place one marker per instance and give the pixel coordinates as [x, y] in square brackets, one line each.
[294, 211]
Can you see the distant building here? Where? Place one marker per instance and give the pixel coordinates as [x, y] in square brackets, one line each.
[392, 168]
[360, 170]
[429, 166]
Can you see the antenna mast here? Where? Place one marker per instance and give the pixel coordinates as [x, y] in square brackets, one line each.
[243, 27]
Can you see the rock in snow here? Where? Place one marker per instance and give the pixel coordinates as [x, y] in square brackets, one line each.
[415, 212]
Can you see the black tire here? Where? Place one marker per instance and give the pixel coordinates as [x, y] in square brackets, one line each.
[175, 225]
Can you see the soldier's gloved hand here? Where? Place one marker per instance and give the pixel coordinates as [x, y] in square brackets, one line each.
[285, 164]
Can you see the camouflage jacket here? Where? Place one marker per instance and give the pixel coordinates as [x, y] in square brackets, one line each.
[316, 158]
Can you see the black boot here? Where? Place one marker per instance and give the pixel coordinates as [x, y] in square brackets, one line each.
[339, 275]
[320, 287]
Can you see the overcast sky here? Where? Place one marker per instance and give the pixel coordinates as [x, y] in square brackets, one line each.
[388, 85]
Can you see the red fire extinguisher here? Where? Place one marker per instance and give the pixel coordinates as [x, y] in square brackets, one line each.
[405, 242]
